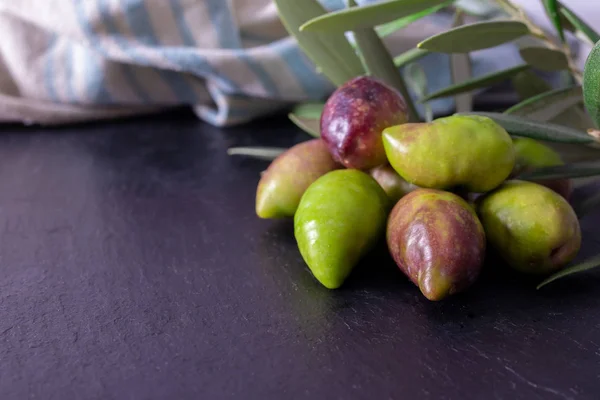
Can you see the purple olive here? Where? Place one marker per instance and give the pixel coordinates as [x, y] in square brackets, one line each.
[437, 240]
[354, 117]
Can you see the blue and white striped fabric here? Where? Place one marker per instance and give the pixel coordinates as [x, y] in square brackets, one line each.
[231, 60]
[76, 60]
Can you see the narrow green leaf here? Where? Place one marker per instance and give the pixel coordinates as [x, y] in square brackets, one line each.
[584, 28]
[546, 106]
[591, 84]
[367, 16]
[575, 153]
[481, 35]
[410, 56]
[567, 171]
[332, 53]
[528, 84]
[308, 110]
[519, 126]
[585, 266]
[566, 22]
[261, 153]
[575, 117]
[416, 79]
[544, 58]
[461, 71]
[379, 63]
[391, 27]
[477, 82]
[311, 126]
[551, 7]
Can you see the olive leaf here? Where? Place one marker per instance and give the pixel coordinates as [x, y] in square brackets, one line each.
[261, 153]
[545, 59]
[591, 84]
[309, 125]
[566, 23]
[367, 16]
[575, 117]
[379, 63]
[581, 26]
[391, 27]
[528, 84]
[307, 116]
[584, 266]
[548, 105]
[519, 126]
[308, 110]
[551, 7]
[417, 81]
[477, 82]
[332, 53]
[577, 170]
[477, 36]
[410, 56]
[461, 71]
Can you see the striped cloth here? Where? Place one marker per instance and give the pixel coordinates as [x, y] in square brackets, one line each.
[231, 60]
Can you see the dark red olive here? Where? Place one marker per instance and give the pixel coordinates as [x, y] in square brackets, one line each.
[354, 117]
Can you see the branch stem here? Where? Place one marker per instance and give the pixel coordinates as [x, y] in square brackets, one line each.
[518, 13]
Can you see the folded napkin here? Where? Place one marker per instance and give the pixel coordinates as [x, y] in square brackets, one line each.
[231, 60]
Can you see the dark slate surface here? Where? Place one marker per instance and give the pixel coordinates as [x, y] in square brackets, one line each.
[133, 267]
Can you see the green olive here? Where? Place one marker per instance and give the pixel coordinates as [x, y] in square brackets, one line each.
[533, 228]
[470, 152]
[340, 218]
[532, 154]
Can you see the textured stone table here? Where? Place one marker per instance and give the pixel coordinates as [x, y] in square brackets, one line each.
[132, 267]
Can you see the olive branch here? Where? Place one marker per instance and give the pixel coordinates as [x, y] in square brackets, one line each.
[569, 114]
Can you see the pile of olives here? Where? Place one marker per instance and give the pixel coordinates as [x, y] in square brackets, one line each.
[439, 192]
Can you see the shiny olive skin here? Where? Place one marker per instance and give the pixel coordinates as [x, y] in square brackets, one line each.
[532, 154]
[282, 185]
[392, 183]
[340, 218]
[470, 152]
[533, 228]
[437, 240]
[354, 117]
